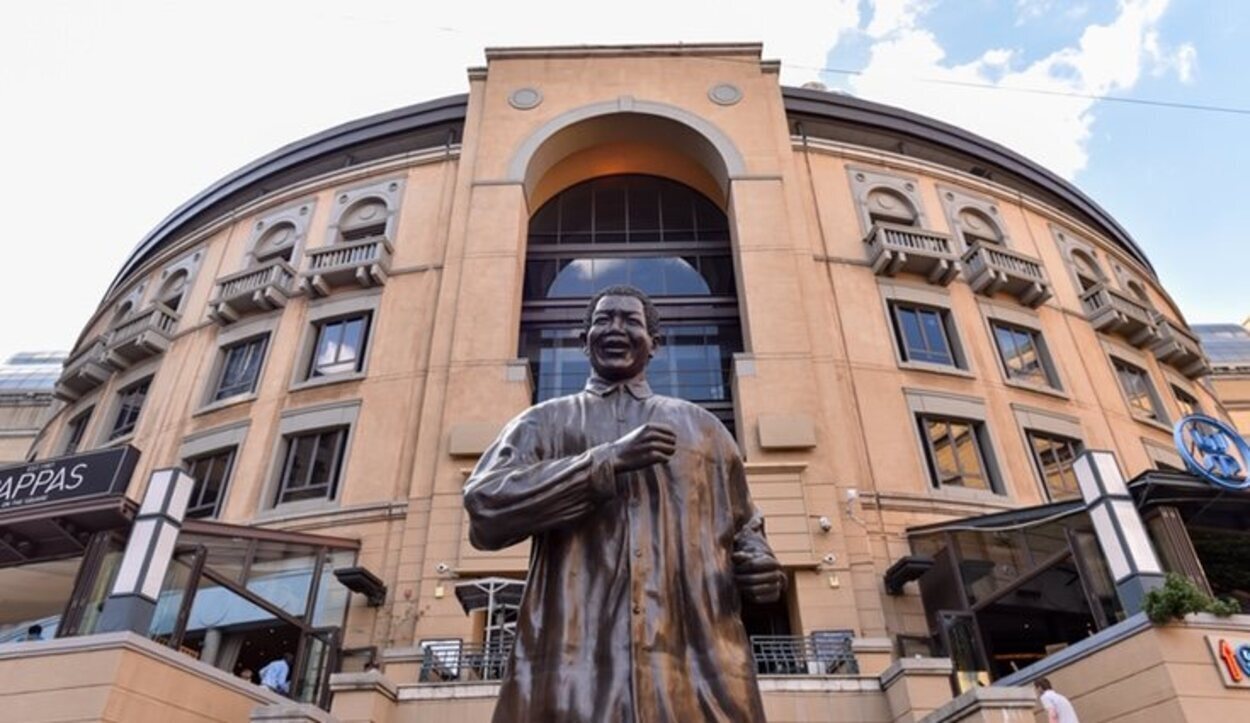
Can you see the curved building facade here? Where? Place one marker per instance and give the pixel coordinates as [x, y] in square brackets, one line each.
[904, 325]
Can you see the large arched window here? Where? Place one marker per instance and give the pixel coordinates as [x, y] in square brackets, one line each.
[661, 236]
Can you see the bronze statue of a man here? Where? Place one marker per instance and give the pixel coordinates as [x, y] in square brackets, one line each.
[644, 537]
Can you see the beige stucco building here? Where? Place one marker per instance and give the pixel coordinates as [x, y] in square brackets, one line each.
[905, 326]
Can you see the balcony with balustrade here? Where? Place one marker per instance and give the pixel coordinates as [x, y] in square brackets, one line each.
[454, 661]
[364, 262]
[141, 335]
[85, 370]
[258, 289]
[893, 248]
[991, 268]
[1114, 312]
[1179, 348]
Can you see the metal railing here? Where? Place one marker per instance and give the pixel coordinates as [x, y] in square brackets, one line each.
[455, 661]
[817, 654]
[243, 283]
[348, 254]
[156, 317]
[803, 655]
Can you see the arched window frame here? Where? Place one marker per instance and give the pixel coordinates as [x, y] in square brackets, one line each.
[866, 182]
[297, 216]
[553, 322]
[956, 202]
[388, 193]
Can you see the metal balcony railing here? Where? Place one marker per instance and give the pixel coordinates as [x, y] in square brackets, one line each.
[1180, 348]
[365, 262]
[991, 268]
[817, 654]
[260, 288]
[456, 661]
[141, 335]
[1115, 312]
[893, 248]
[85, 370]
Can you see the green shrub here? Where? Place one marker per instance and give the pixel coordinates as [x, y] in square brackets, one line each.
[1179, 597]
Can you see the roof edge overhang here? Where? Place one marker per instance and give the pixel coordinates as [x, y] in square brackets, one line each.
[835, 106]
[452, 109]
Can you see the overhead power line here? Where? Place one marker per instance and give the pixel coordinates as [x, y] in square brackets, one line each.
[1043, 91]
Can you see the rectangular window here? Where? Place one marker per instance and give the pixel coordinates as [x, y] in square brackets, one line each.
[211, 473]
[340, 347]
[1024, 355]
[76, 428]
[240, 368]
[310, 469]
[955, 451]
[1138, 390]
[1054, 457]
[129, 404]
[1186, 401]
[923, 334]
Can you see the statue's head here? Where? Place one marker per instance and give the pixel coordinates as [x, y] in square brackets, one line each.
[621, 332]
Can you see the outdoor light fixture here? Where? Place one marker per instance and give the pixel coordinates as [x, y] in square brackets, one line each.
[359, 579]
[904, 570]
[1130, 557]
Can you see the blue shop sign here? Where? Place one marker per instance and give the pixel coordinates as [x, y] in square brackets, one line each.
[1214, 451]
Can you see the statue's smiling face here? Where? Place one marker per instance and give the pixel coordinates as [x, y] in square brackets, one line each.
[617, 341]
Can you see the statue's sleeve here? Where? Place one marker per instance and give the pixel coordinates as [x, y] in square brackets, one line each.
[748, 521]
[515, 493]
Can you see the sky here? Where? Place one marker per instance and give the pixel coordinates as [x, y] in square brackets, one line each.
[112, 114]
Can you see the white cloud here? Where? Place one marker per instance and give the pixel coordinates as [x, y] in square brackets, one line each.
[907, 66]
[117, 113]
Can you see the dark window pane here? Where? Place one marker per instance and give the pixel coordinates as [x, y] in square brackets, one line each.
[718, 271]
[644, 213]
[610, 210]
[539, 275]
[77, 428]
[575, 215]
[211, 473]
[130, 403]
[711, 221]
[241, 368]
[547, 221]
[313, 466]
[677, 213]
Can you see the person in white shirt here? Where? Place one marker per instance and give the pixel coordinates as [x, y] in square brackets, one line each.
[276, 676]
[1058, 708]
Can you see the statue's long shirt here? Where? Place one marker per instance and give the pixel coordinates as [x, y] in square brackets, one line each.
[630, 612]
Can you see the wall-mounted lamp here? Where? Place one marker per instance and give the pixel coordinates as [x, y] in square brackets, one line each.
[359, 579]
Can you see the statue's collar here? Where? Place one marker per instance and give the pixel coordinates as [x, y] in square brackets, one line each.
[637, 386]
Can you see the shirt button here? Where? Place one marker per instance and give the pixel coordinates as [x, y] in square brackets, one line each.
[637, 552]
[637, 609]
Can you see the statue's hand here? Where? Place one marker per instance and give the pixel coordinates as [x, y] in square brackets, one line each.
[647, 445]
[759, 576]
